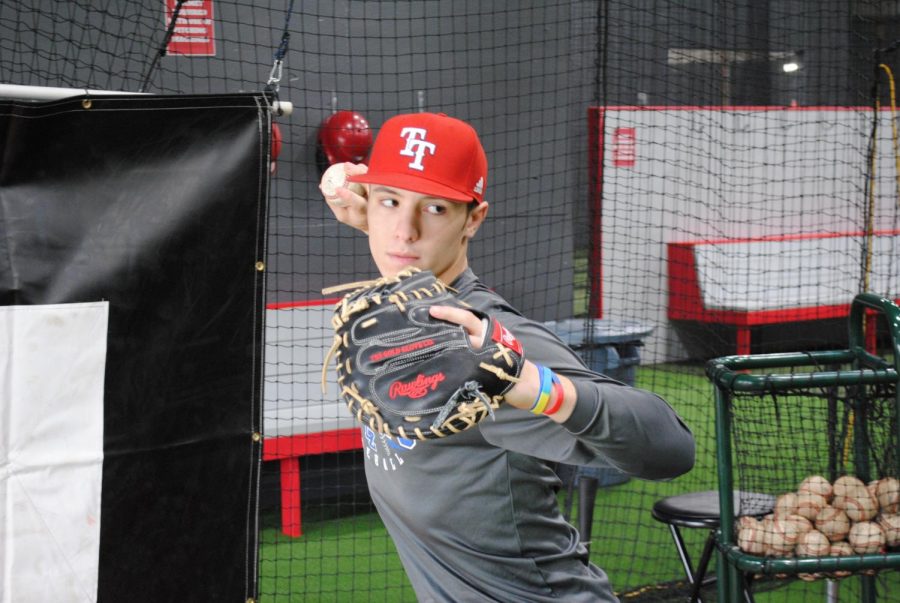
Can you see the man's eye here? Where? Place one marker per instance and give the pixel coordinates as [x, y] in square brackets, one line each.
[389, 202]
[436, 209]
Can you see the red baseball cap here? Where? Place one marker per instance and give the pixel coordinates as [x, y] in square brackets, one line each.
[428, 153]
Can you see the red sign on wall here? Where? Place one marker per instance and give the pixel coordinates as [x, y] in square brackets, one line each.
[624, 151]
[194, 32]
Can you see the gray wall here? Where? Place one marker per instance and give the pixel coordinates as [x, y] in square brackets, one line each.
[506, 67]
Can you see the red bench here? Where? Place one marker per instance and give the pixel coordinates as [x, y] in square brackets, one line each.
[288, 450]
[773, 280]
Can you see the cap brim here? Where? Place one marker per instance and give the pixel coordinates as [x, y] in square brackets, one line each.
[413, 183]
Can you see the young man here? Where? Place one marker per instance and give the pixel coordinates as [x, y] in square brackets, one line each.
[474, 516]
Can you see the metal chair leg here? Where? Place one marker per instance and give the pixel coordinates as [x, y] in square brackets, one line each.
[700, 574]
[587, 494]
[746, 580]
[683, 556]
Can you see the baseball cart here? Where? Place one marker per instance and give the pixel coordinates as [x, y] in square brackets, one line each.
[819, 431]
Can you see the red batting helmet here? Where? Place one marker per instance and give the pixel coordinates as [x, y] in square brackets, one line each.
[345, 136]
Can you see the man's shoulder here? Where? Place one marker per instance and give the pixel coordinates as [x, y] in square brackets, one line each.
[474, 292]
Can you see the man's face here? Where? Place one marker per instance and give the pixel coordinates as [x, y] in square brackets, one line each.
[411, 229]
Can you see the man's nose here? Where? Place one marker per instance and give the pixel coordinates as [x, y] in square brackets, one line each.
[406, 228]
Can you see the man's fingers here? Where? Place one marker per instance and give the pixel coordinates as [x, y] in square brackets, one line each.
[458, 316]
[349, 196]
[467, 320]
[355, 169]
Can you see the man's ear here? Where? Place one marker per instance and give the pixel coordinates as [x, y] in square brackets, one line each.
[476, 218]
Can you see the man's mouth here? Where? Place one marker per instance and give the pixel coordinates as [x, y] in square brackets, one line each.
[403, 258]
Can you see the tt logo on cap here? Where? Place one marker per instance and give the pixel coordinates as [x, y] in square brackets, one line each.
[416, 146]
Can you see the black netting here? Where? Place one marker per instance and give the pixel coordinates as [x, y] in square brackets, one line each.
[700, 175]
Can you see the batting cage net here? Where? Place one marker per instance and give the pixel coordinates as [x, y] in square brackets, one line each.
[669, 182]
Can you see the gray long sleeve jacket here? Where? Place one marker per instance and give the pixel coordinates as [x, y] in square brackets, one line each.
[475, 517]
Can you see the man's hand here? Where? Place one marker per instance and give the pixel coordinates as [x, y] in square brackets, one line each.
[468, 321]
[348, 203]
[523, 393]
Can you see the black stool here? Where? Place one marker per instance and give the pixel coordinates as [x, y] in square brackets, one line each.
[701, 510]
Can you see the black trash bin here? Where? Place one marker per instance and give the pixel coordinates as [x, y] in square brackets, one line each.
[611, 347]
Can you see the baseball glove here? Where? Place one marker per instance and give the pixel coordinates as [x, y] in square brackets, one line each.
[408, 375]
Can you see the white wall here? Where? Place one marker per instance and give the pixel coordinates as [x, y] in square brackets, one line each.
[722, 173]
[297, 340]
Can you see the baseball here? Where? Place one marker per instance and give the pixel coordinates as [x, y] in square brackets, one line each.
[803, 524]
[890, 523]
[776, 546]
[750, 536]
[871, 487]
[813, 544]
[786, 504]
[848, 485]
[786, 532]
[866, 537]
[816, 484]
[833, 522]
[809, 504]
[887, 490]
[854, 497]
[809, 577]
[841, 549]
[765, 529]
[861, 507]
[333, 178]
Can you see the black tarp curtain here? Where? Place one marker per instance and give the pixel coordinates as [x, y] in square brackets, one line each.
[157, 205]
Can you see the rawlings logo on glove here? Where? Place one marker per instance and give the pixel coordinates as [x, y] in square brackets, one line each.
[406, 374]
[417, 388]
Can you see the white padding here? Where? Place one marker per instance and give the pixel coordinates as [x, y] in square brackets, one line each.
[297, 340]
[52, 366]
[787, 274]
